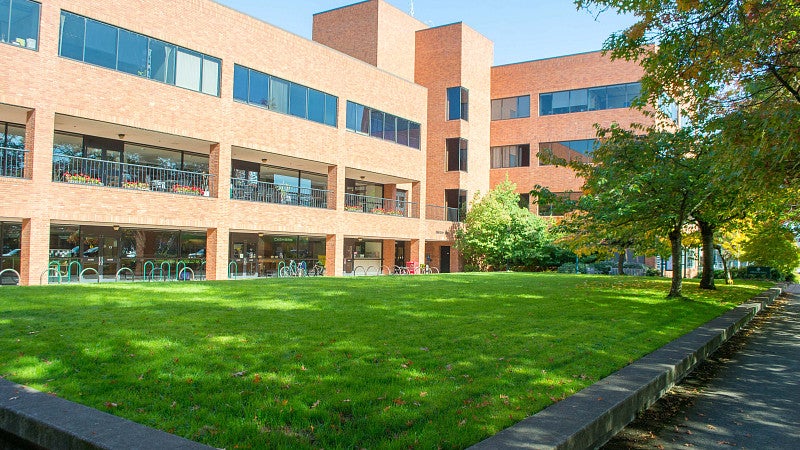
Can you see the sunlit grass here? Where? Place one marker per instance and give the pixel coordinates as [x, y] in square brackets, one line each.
[430, 361]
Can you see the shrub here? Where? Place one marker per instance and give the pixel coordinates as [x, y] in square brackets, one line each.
[570, 268]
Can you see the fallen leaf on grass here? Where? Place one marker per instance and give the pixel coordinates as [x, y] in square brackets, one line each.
[239, 374]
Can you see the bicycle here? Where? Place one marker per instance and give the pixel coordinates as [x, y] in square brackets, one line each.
[293, 269]
[317, 271]
[428, 269]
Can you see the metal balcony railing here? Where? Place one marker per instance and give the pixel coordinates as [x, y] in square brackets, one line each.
[96, 172]
[12, 162]
[381, 206]
[443, 213]
[259, 191]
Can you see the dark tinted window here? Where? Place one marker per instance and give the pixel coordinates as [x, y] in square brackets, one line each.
[316, 106]
[376, 123]
[331, 107]
[19, 23]
[162, 61]
[591, 99]
[259, 89]
[132, 53]
[241, 80]
[298, 99]
[72, 33]
[511, 108]
[373, 122]
[101, 44]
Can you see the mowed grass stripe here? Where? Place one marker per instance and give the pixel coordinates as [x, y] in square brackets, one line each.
[387, 362]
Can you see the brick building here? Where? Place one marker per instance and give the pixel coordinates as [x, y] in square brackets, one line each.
[164, 139]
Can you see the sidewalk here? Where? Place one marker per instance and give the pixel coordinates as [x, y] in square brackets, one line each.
[752, 401]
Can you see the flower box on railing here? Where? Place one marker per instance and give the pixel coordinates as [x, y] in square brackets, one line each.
[136, 185]
[354, 208]
[80, 178]
[387, 212]
[187, 190]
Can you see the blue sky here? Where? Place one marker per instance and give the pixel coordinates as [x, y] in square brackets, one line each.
[522, 30]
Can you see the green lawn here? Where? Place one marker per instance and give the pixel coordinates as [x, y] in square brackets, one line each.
[405, 361]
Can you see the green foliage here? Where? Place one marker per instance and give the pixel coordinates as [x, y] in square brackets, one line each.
[498, 233]
[773, 245]
[368, 362]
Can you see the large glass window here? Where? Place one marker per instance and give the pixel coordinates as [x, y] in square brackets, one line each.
[366, 120]
[12, 136]
[456, 154]
[260, 89]
[511, 108]
[457, 103]
[552, 152]
[105, 45]
[591, 99]
[511, 156]
[19, 23]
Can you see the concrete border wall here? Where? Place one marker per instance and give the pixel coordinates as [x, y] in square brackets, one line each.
[594, 415]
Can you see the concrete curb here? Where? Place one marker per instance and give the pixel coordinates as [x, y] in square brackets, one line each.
[32, 419]
[594, 415]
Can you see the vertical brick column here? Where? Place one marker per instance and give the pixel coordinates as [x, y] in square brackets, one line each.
[389, 192]
[219, 166]
[418, 209]
[416, 252]
[39, 129]
[34, 249]
[217, 243]
[336, 194]
[388, 253]
[334, 255]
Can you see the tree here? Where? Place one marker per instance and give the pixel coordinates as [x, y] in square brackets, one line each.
[642, 183]
[498, 233]
[733, 65]
[774, 245]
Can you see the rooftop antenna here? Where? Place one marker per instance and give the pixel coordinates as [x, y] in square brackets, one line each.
[411, 10]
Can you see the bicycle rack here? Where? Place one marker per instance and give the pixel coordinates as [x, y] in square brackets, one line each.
[47, 272]
[152, 268]
[235, 271]
[77, 272]
[12, 271]
[80, 277]
[178, 269]
[169, 270]
[119, 272]
[186, 269]
[355, 271]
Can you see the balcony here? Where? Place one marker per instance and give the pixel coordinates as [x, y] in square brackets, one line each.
[12, 162]
[96, 172]
[259, 191]
[443, 213]
[380, 206]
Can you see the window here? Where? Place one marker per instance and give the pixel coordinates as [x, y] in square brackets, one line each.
[19, 23]
[456, 154]
[524, 201]
[115, 48]
[511, 156]
[457, 103]
[591, 99]
[259, 89]
[511, 108]
[365, 120]
[455, 201]
[551, 153]
[557, 208]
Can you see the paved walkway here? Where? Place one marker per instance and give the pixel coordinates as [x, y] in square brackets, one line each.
[754, 402]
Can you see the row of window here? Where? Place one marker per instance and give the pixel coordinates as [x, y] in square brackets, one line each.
[19, 23]
[511, 108]
[118, 151]
[590, 99]
[509, 156]
[259, 89]
[370, 121]
[104, 45]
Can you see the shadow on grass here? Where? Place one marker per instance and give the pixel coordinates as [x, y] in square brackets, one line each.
[369, 362]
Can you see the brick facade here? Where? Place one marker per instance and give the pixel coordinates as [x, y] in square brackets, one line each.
[373, 54]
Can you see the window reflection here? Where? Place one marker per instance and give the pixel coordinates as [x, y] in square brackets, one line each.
[591, 99]
[19, 23]
[370, 121]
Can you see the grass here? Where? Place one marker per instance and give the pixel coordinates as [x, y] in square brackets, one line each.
[389, 362]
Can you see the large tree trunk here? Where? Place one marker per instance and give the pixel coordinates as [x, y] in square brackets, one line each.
[621, 263]
[707, 234]
[675, 289]
[725, 268]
